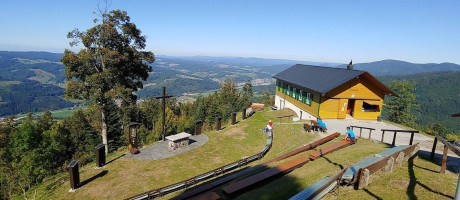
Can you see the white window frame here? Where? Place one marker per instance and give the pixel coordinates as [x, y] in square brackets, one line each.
[308, 101]
[300, 95]
[293, 92]
[289, 90]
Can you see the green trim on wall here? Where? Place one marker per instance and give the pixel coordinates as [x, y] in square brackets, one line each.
[319, 104]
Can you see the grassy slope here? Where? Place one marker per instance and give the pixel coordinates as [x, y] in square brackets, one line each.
[123, 178]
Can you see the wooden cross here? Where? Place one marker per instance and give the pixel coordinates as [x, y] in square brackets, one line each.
[164, 97]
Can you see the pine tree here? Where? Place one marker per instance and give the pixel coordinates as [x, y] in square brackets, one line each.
[401, 109]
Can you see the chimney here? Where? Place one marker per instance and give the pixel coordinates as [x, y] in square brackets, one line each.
[350, 66]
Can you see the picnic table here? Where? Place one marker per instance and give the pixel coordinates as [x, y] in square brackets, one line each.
[315, 125]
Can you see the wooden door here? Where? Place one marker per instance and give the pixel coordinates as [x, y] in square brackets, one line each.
[351, 106]
[342, 110]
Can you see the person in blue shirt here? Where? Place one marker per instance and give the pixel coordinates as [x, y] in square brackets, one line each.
[350, 135]
[322, 124]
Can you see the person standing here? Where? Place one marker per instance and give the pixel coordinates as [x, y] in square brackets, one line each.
[269, 127]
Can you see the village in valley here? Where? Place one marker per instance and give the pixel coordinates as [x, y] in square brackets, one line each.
[106, 118]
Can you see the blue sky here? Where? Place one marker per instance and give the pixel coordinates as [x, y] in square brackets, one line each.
[326, 31]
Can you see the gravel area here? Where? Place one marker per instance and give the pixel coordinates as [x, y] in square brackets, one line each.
[159, 150]
[401, 138]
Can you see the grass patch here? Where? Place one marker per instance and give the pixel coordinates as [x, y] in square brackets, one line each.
[64, 113]
[7, 83]
[41, 76]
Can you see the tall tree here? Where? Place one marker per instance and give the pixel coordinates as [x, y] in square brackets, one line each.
[46, 121]
[245, 95]
[400, 109]
[111, 64]
[268, 98]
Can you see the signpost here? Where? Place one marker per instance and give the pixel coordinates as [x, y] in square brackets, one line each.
[133, 134]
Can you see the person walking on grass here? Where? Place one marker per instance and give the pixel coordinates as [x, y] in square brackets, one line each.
[269, 127]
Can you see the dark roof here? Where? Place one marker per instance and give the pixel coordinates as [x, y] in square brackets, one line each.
[319, 79]
[323, 79]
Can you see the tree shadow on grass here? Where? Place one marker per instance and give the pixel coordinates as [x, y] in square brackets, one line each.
[372, 194]
[414, 182]
[334, 163]
[100, 174]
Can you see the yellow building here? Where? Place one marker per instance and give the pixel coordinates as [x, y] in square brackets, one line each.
[330, 93]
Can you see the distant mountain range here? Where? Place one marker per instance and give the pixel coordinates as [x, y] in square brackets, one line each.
[42, 72]
[397, 67]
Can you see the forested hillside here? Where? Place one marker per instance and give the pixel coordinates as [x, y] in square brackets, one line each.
[34, 81]
[438, 96]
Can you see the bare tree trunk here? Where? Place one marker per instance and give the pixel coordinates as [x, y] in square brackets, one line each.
[24, 192]
[104, 130]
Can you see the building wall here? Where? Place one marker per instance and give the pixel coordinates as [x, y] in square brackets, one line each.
[286, 104]
[312, 109]
[329, 108]
[359, 114]
[360, 89]
[357, 88]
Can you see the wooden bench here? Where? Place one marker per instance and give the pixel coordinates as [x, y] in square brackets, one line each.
[325, 150]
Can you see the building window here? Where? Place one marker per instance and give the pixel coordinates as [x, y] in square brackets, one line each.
[309, 99]
[293, 92]
[300, 95]
[289, 91]
[279, 85]
[370, 107]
